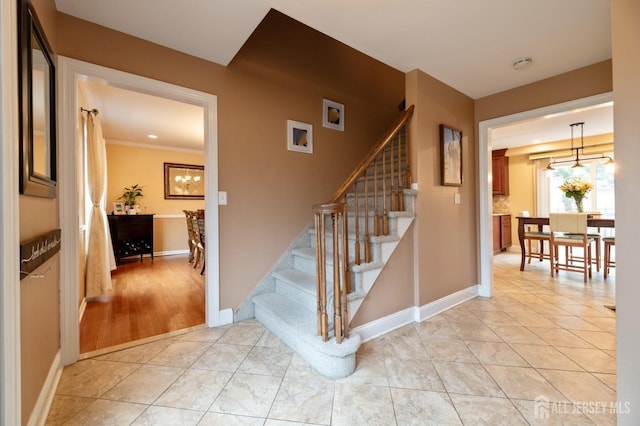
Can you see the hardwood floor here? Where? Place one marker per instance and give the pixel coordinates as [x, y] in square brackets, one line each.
[150, 298]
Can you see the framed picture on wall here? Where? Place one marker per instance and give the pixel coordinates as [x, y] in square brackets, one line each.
[299, 137]
[450, 156]
[332, 115]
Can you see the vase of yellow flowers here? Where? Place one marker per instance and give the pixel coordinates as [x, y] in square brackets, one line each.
[577, 189]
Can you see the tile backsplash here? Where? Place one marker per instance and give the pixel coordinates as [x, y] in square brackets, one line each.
[501, 204]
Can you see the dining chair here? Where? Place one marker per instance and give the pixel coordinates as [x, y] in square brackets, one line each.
[595, 234]
[569, 230]
[534, 237]
[190, 234]
[609, 242]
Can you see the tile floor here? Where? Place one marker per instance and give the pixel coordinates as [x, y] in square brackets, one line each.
[539, 348]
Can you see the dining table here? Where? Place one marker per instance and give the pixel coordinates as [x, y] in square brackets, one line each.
[593, 221]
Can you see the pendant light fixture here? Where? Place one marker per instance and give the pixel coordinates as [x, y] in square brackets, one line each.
[578, 150]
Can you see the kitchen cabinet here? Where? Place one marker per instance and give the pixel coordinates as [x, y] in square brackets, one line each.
[500, 172]
[132, 235]
[501, 232]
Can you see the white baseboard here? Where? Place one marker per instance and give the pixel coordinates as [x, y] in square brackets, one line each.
[45, 399]
[170, 252]
[413, 314]
[447, 302]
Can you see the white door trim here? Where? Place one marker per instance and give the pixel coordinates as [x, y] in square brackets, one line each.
[10, 382]
[485, 206]
[70, 71]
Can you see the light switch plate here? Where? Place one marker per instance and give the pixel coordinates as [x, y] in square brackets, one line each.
[456, 198]
[222, 198]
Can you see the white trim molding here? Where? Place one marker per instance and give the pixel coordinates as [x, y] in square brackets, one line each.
[399, 319]
[70, 73]
[10, 365]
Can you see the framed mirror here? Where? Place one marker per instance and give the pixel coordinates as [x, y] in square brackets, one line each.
[37, 104]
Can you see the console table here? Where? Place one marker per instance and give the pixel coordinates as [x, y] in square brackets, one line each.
[132, 235]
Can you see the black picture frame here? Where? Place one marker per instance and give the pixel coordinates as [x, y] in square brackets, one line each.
[37, 106]
[450, 156]
[183, 181]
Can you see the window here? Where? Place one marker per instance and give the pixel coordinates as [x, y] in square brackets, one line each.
[600, 199]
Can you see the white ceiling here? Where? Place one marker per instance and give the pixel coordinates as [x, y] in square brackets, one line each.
[468, 44]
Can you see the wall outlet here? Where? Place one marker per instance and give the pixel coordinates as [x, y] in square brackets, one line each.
[456, 198]
[222, 198]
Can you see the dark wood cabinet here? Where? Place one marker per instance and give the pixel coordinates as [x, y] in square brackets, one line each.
[501, 233]
[500, 172]
[132, 235]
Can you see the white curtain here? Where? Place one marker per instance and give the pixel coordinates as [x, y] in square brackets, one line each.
[99, 263]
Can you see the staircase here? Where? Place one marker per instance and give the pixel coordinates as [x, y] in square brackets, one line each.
[313, 292]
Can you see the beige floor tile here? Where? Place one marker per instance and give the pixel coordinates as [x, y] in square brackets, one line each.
[370, 370]
[465, 378]
[63, 408]
[496, 318]
[217, 419]
[449, 350]
[523, 383]
[180, 354]
[416, 407]
[482, 410]
[303, 400]
[572, 322]
[165, 416]
[580, 387]
[560, 337]
[599, 339]
[517, 334]
[545, 357]
[300, 369]
[222, 357]
[429, 330]
[91, 378]
[245, 334]
[362, 404]
[592, 360]
[496, 353]
[607, 379]
[533, 320]
[206, 335]
[145, 385]
[266, 360]
[476, 332]
[103, 412]
[194, 390]
[539, 413]
[138, 354]
[604, 324]
[247, 395]
[413, 374]
[460, 315]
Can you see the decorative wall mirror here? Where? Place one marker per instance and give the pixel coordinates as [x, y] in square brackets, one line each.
[37, 108]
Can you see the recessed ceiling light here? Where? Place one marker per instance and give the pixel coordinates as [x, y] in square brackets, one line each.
[152, 136]
[521, 63]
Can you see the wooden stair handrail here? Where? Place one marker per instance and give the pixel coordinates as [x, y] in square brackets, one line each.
[384, 141]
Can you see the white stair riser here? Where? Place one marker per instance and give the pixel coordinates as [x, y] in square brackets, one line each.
[301, 297]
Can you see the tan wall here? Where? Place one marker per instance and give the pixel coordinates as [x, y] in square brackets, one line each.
[393, 291]
[129, 165]
[581, 83]
[445, 236]
[39, 302]
[522, 192]
[270, 190]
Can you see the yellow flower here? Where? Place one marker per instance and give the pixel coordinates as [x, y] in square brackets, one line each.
[576, 188]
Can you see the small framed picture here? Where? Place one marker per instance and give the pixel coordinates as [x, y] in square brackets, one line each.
[450, 156]
[299, 137]
[332, 115]
[118, 208]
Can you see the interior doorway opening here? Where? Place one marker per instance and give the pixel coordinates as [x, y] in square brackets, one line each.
[70, 73]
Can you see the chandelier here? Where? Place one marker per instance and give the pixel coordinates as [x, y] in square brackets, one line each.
[187, 181]
[578, 149]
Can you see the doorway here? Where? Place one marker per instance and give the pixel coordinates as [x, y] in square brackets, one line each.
[485, 147]
[70, 73]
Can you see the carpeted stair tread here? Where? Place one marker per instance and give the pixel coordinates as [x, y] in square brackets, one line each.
[303, 281]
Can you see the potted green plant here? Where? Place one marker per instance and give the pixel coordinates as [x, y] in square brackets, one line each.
[130, 197]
